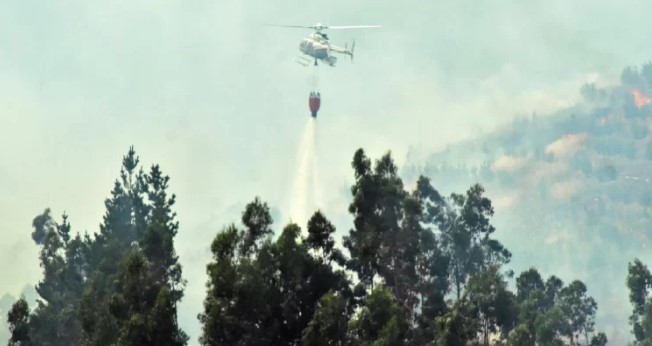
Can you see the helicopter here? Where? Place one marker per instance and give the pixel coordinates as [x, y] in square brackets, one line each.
[317, 45]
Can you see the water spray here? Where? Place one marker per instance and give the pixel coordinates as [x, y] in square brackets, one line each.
[304, 176]
[306, 194]
[316, 181]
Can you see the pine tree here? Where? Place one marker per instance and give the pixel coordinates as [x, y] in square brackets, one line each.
[123, 225]
[133, 265]
[146, 310]
[151, 284]
[55, 320]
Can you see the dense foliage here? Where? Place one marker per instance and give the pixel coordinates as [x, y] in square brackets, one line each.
[423, 269]
[416, 268]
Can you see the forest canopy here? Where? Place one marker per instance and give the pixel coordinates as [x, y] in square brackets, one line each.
[416, 268]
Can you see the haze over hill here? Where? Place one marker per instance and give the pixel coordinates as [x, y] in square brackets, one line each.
[204, 90]
[572, 190]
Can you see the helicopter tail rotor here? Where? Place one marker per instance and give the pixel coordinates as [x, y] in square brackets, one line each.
[349, 51]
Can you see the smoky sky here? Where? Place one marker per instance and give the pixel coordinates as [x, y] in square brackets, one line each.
[210, 93]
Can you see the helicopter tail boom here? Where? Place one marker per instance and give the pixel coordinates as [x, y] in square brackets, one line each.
[344, 50]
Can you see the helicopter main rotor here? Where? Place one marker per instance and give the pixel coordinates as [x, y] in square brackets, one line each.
[319, 27]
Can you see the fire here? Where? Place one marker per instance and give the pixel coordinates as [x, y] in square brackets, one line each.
[640, 99]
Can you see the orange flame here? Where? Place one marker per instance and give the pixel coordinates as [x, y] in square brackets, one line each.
[640, 99]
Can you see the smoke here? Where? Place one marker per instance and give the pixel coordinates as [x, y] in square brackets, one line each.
[567, 145]
[509, 164]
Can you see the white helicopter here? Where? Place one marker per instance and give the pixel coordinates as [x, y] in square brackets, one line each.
[318, 46]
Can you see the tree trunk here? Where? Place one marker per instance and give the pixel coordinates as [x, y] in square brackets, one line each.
[457, 283]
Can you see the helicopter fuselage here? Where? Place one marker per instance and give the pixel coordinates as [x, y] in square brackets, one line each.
[317, 46]
[314, 48]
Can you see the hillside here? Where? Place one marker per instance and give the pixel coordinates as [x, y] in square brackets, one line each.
[572, 189]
